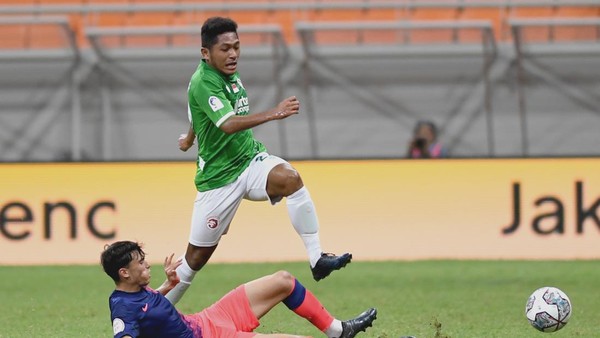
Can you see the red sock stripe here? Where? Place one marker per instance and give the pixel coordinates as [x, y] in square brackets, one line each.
[314, 312]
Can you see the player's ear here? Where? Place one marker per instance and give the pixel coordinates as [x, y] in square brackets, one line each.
[205, 53]
[123, 273]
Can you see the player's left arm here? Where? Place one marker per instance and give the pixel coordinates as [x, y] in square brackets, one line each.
[170, 271]
[288, 107]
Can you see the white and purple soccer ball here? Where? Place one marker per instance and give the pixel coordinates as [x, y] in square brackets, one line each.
[548, 309]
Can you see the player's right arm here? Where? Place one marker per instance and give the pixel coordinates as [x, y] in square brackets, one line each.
[187, 140]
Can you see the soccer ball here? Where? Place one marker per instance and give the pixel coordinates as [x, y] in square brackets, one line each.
[548, 309]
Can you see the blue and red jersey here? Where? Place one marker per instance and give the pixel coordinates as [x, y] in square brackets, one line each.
[147, 314]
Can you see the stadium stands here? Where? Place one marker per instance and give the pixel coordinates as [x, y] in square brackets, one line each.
[178, 41]
[102, 13]
[46, 37]
[553, 36]
[111, 31]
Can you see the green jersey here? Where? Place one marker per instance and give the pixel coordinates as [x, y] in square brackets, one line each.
[212, 99]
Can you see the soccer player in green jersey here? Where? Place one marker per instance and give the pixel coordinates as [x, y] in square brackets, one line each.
[232, 165]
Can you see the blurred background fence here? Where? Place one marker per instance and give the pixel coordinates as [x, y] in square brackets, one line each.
[106, 80]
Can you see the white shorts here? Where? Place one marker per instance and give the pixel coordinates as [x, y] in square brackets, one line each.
[214, 209]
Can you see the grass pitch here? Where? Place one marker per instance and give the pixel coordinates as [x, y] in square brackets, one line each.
[426, 299]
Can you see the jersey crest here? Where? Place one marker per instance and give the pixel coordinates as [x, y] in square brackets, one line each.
[212, 223]
[118, 326]
[214, 103]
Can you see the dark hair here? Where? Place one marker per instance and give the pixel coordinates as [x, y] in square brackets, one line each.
[119, 255]
[215, 26]
[427, 123]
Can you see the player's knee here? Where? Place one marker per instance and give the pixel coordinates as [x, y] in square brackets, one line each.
[283, 181]
[293, 182]
[284, 280]
[283, 276]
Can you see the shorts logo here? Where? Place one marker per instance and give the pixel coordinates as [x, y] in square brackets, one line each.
[212, 223]
[214, 103]
[118, 325]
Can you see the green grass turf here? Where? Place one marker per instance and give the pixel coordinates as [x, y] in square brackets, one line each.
[436, 299]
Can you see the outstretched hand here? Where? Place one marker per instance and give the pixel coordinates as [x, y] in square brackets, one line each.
[170, 269]
[287, 107]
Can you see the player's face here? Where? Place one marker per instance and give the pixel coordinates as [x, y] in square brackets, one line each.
[139, 270]
[224, 55]
[425, 132]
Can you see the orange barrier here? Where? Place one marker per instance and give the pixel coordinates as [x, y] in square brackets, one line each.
[45, 36]
[379, 210]
[286, 18]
